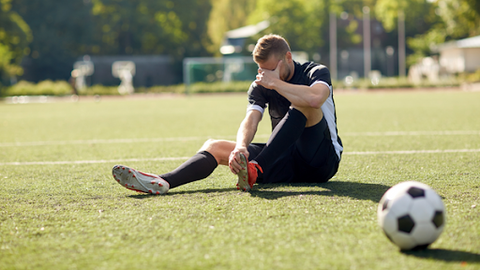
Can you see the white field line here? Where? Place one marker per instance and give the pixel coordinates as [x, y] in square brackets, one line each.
[91, 161]
[412, 133]
[173, 139]
[111, 141]
[401, 152]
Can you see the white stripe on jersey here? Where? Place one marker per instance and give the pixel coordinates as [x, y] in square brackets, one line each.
[328, 109]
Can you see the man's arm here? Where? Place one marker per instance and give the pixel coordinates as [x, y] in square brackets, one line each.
[302, 96]
[245, 134]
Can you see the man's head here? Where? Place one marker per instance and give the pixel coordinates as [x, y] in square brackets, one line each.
[270, 45]
[272, 51]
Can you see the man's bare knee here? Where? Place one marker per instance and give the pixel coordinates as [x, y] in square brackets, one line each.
[220, 149]
[208, 145]
[313, 115]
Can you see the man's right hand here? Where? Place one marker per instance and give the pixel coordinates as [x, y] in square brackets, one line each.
[234, 159]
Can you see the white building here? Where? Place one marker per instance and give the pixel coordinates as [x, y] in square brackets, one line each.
[460, 55]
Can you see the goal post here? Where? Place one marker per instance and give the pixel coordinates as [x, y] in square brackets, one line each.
[218, 69]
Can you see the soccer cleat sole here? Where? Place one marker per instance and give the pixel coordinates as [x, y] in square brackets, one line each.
[242, 183]
[139, 181]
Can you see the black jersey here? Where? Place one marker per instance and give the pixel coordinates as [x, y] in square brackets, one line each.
[309, 73]
[305, 74]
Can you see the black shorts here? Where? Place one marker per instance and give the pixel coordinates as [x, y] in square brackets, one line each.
[312, 159]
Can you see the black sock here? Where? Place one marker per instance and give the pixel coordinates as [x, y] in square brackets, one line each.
[283, 136]
[197, 167]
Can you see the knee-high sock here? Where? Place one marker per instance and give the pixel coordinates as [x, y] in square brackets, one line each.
[197, 167]
[283, 136]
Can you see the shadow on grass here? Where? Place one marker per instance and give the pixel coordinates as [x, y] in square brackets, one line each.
[174, 192]
[361, 191]
[445, 255]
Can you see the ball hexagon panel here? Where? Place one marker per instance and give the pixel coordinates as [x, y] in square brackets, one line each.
[402, 240]
[424, 233]
[390, 223]
[421, 210]
[401, 205]
[434, 199]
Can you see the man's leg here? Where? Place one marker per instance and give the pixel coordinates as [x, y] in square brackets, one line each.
[199, 166]
[316, 160]
[275, 159]
[271, 160]
[285, 134]
[202, 164]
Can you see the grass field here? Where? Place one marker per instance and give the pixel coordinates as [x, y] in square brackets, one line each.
[61, 209]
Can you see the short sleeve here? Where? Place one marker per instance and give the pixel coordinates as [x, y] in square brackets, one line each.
[319, 73]
[256, 98]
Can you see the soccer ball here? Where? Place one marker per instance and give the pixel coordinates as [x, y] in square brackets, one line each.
[412, 215]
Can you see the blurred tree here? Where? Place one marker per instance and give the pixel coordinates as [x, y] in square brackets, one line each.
[300, 22]
[176, 28]
[460, 18]
[431, 22]
[15, 35]
[226, 15]
[61, 33]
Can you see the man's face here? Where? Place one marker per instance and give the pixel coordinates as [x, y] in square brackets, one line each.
[272, 63]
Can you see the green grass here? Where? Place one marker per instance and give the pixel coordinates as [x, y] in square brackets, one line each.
[75, 216]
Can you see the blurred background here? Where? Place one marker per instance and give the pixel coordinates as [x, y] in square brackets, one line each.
[143, 45]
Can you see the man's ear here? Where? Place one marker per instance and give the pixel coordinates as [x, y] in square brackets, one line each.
[288, 57]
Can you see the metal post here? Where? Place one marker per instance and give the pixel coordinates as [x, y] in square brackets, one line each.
[367, 56]
[401, 43]
[333, 45]
[186, 75]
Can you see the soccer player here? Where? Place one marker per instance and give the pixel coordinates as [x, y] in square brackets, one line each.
[304, 146]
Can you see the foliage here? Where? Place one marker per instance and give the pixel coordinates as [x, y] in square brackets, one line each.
[61, 32]
[418, 14]
[423, 44]
[61, 88]
[460, 18]
[224, 16]
[395, 83]
[150, 27]
[473, 77]
[15, 35]
[48, 87]
[219, 87]
[303, 35]
[99, 90]
[429, 23]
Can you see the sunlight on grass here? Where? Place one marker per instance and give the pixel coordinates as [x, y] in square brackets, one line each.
[75, 216]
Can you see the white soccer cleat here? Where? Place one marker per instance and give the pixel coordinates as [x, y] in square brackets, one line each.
[139, 181]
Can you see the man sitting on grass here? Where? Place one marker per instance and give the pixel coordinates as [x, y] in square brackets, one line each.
[304, 146]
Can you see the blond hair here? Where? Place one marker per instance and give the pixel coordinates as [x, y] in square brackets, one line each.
[269, 45]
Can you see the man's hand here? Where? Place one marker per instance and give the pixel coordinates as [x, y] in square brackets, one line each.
[234, 159]
[267, 78]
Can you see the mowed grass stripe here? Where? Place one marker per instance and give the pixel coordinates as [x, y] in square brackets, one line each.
[173, 139]
[437, 151]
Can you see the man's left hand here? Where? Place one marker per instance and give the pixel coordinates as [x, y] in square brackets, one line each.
[267, 78]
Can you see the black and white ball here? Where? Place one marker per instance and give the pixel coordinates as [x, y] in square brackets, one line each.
[412, 215]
